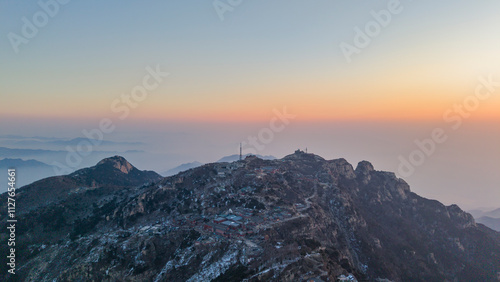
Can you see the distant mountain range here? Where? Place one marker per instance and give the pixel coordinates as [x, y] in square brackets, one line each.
[44, 142]
[489, 218]
[15, 152]
[182, 167]
[27, 171]
[73, 142]
[19, 137]
[493, 223]
[490, 213]
[14, 163]
[50, 150]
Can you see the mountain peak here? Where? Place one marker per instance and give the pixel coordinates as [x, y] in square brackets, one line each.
[301, 155]
[364, 167]
[117, 162]
[108, 174]
[363, 171]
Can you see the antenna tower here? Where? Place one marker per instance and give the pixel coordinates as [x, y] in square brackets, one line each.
[241, 157]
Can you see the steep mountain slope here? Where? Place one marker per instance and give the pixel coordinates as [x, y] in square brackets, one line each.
[297, 218]
[479, 213]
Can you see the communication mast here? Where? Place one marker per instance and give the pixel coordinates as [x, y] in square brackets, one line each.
[241, 157]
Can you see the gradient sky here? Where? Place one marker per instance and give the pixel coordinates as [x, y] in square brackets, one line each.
[264, 55]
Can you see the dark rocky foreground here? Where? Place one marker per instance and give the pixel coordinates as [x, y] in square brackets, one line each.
[294, 219]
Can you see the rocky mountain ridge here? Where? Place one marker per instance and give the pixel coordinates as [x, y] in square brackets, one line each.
[297, 218]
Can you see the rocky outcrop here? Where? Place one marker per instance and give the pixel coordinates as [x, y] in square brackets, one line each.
[341, 167]
[119, 163]
[363, 171]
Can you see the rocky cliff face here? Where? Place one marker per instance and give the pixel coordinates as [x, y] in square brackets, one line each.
[298, 218]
